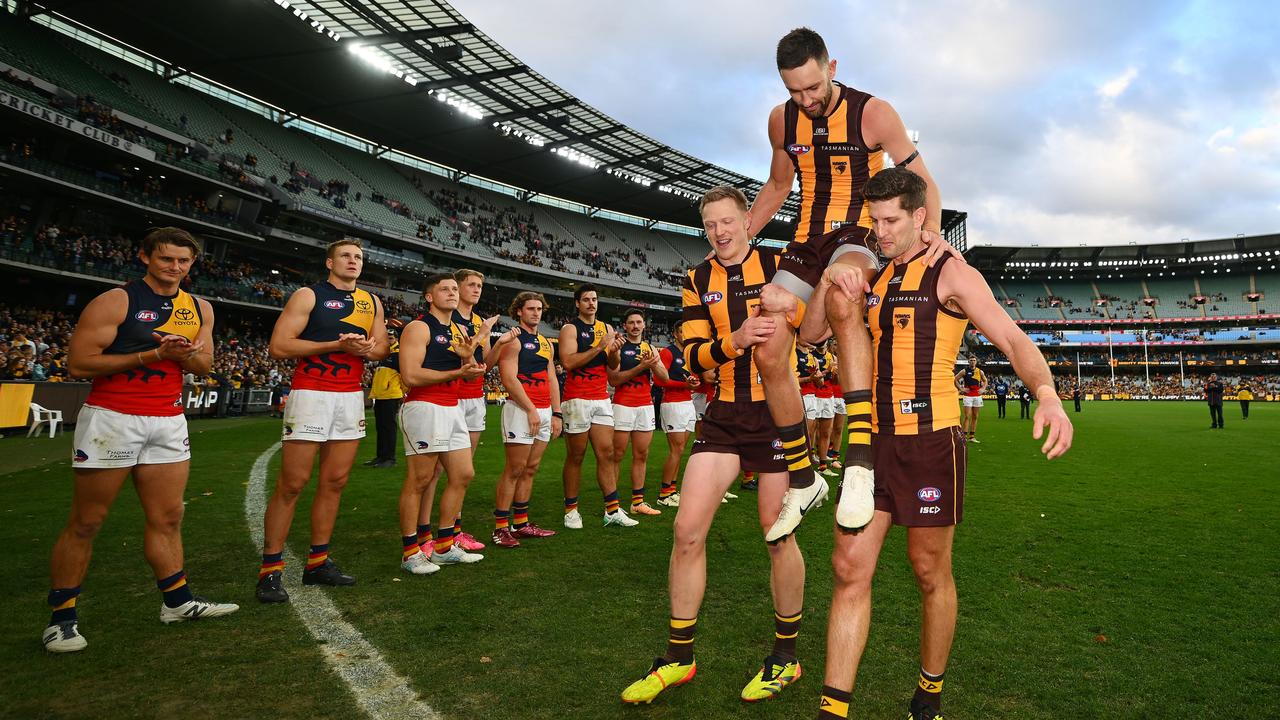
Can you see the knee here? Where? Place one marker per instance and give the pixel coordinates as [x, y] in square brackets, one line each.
[640, 456]
[932, 572]
[688, 540]
[528, 471]
[288, 489]
[852, 576]
[463, 479]
[841, 309]
[576, 455]
[605, 454]
[86, 526]
[334, 483]
[166, 521]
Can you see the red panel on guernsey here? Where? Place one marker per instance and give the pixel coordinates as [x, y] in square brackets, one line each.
[335, 312]
[153, 389]
[674, 390]
[445, 393]
[473, 388]
[638, 391]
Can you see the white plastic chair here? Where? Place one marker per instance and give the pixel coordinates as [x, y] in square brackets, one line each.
[41, 415]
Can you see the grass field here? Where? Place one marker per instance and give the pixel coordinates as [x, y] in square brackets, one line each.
[1139, 577]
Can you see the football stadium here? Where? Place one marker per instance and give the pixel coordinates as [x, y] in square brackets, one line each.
[314, 300]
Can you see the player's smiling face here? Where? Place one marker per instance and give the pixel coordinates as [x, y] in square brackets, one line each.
[811, 86]
[726, 226]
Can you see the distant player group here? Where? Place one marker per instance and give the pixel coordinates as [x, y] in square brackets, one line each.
[755, 343]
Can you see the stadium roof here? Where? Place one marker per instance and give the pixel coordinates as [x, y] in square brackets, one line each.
[1239, 248]
[416, 76]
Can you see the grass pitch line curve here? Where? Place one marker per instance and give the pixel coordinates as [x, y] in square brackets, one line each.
[379, 690]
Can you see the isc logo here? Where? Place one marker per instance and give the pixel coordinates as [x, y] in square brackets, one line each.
[929, 494]
[712, 298]
[930, 510]
[333, 304]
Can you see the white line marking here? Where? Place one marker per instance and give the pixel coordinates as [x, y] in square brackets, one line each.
[379, 690]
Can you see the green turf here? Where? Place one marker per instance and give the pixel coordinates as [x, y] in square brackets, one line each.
[1138, 577]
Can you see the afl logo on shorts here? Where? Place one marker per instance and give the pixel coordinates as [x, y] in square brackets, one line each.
[798, 149]
[873, 300]
[777, 444]
[530, 346]
[712, 298]
[929, 494]
[334, 304]
[147, 316]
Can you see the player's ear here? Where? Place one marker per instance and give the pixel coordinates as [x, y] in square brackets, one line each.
[918, 216]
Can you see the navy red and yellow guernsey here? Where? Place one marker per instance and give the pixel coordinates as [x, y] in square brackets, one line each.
[638, 391]
[676, 388]
[591, 381]
[973, 380]
[154, 388]
[335, 312]
[473, 388]
[832, 162]
[824, 368]
[531, 370]
[717, 300]
[806, 366]
[915, 338]
[439, 357]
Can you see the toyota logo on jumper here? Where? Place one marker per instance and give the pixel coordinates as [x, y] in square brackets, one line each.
[334, 304]
[184, 314]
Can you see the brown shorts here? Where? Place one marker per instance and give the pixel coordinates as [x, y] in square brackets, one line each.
[920, 478]
[802, 263]
[744, 429]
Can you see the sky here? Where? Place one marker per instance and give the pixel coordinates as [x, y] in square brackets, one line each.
[1049, 123]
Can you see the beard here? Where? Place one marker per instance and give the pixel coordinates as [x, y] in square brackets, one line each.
[822, 107]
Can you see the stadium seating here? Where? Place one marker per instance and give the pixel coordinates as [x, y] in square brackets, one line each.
[1031, 297]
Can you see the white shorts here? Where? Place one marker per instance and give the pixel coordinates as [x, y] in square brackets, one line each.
[109, 439]
[700, 404]
[825, 410]
[515, 425]
[580, 415]
[474, 409]
[810, 407]
[678, 417]
[837, 406]
[430, 428]
[633, 419]
[323, 415]
[972, 401]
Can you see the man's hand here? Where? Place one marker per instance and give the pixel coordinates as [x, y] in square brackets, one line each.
[693, 381]
[1060, 431]
[613, 344]
[535, 422]
[176, 348]
[557, 426]
[755, 330]
[849, 278]
[507, 337]
[652, 360]
[937, 247]
[355, 344]
[465, 346]
[486, 327]
[472, 370]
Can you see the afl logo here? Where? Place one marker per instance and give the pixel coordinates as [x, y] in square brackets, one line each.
[442, 339]
[777, 444]
[929, 494]
[873, 300]
[147, 316]
[798, 149]
[712, 298]
[530, 346]
[334, 304]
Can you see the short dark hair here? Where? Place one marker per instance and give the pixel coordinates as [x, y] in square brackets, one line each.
[523, 299]
[896, 182]
[332, 249]
[156, 237]
[799, 47]
[583, 289]
[633, 311]
[434, 280]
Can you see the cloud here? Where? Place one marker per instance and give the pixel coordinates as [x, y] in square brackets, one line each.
[1116, 86]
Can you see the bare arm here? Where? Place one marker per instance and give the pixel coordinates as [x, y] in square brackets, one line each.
[95, 331]
[881, 127]
[381, 340]
[285, 343]
[570, 358]
[782, 174]
[413, 348]
[963, 288]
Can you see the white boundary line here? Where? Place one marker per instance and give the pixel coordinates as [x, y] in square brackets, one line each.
[379, 690]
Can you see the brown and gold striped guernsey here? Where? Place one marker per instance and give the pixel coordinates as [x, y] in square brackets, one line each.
[915, 339]
[717, 300]
[832, 162]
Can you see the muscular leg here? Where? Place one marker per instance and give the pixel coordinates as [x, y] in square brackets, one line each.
[786, 564]
[336, 457]
[621, 439]
[854, 564]
[606, 468]
[641, 441]
[675, 451]
[460, 472]
[853, 345]
[512, 474]
[706, 478]
[160, 489]
[823, 435]
[95, 491]
[575, 451]
[418, 477]
[929, 550]
[524, 489]
[782, 391]
[297, 458]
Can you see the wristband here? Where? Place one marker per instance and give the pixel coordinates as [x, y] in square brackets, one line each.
[141, 362]
[557, 414]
